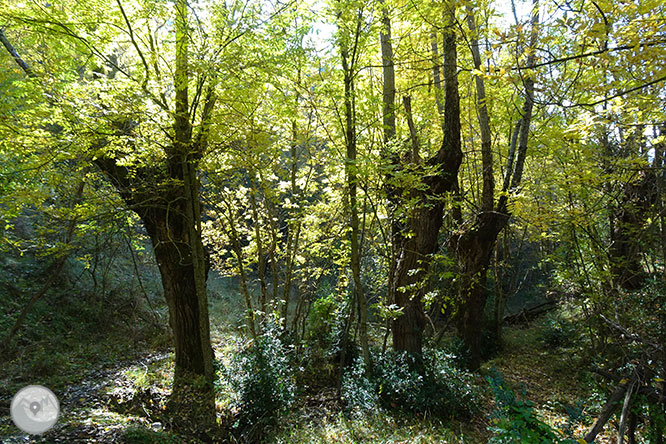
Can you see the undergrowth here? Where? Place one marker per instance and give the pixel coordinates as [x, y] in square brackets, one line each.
[434, 386]
[516, 421]
[260, 380]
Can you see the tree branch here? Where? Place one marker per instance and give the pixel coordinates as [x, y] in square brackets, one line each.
[144, 85]
[620, 94]
[407, 103]
[593, 53]
[17, 58]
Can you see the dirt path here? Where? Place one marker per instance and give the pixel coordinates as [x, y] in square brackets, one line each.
[84, 415]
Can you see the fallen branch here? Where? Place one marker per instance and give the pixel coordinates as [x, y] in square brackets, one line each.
[651, 393]
[607, 411]
[625, 412]
[626, 333]
[527, 314]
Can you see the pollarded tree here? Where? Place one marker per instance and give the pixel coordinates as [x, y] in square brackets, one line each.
[166, 198]
[418, 200]
[144, 113]
[473, 242]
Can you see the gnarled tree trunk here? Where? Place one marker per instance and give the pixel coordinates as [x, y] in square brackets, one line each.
[192, 402]
[473, 246]
[414, 250]
[167, 199]
[180, 256]
[625, 251]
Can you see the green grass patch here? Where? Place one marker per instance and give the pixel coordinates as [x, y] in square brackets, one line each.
[300, 428]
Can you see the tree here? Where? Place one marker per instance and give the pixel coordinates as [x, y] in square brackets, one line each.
[350, 51]
[473, 243]
[160, 185]
[166, 198]
[418, 236]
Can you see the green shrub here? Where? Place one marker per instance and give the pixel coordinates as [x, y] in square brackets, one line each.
[324, 342]
[358, 391]
[459, 351]
[321, 320]
[262, 381]
[558, 332]
[45, 363]
[515, 421]
[433, 386]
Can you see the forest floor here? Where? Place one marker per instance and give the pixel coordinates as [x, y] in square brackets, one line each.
[117, 397]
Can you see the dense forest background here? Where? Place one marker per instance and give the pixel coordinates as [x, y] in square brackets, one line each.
[354, 221]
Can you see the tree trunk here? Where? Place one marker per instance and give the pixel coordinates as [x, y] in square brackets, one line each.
[423, 224]
[261, 257]
[176, 237]
[625, 413]
[631, 428]
[238, 251]
[388, 73]
[500, 296]
[488, 189]
[409, 281]
[473, 247]
[191, 404]
[183, 266]
[293, 229]
[659, 157]
[437, 76]
[349, 59]
[625, 251]
[388, 119]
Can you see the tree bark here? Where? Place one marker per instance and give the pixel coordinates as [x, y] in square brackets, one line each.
[473, 249]
[424, 222]
[473, 246]
[167, 199]
[161, 199]
[351, 172]
[181, 260]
